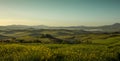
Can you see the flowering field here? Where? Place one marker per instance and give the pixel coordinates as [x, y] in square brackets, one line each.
[59, 52]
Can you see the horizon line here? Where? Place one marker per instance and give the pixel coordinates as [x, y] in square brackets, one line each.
[58, 26]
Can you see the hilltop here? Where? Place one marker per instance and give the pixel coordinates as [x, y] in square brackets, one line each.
[105, 28]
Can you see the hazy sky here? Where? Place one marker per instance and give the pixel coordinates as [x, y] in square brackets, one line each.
[59, 12]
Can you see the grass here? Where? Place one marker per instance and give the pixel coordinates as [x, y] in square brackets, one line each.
[28, 45]
[107, 41]
[58, 52]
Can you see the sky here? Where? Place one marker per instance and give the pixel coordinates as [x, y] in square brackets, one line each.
[59, 12]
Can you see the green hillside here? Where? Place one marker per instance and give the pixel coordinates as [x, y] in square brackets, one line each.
[59, 45]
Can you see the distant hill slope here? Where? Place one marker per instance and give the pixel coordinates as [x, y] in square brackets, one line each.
[107, 28]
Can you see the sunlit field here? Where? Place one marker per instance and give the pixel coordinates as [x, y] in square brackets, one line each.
[57, 45]
[59, 52]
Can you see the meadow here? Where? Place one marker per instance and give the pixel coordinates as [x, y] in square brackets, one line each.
[56, 45]
[59, 52]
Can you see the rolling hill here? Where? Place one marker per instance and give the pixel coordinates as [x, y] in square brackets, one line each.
[106, 28]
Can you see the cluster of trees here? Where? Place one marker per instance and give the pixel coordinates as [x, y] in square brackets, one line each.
[49, 38]
[43, 38]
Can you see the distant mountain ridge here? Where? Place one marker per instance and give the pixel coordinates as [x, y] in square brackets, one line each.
[108, 28]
